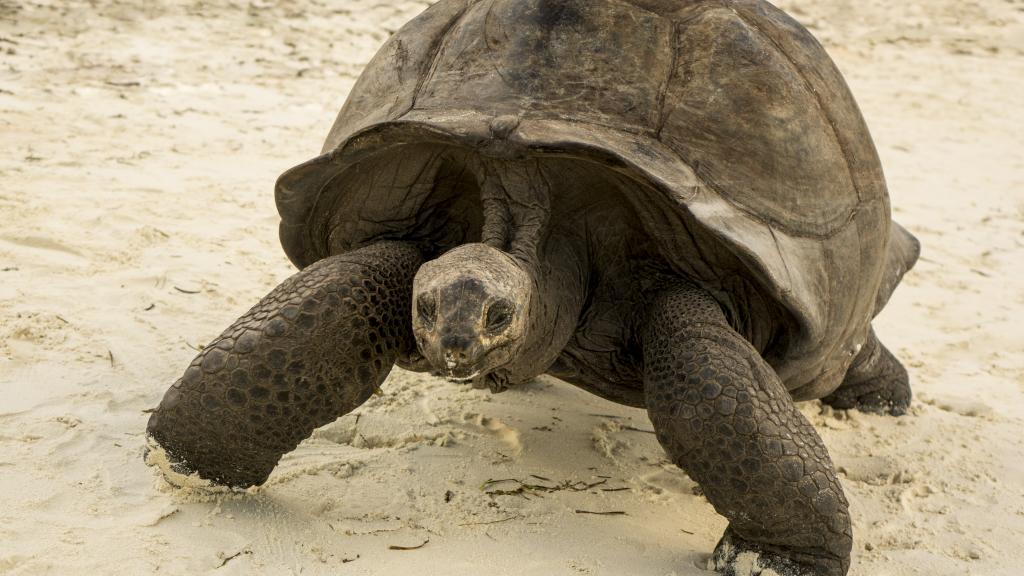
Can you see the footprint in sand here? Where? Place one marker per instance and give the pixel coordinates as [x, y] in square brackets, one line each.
[505, 434]
[379, 433]
[873, 470]
[669, 480]
[46, 248]
[962, 406]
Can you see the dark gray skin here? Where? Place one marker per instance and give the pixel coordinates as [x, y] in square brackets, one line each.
[706, 235]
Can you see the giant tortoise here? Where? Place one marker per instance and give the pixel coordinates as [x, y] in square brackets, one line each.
[673, 204]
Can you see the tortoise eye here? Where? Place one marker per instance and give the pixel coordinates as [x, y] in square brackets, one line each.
[426, 307]
[499, 316]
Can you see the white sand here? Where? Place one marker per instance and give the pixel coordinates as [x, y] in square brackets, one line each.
[140, 142]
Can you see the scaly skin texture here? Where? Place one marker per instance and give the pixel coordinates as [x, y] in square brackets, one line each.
[876, 382]
[723, 416]
[312, 350]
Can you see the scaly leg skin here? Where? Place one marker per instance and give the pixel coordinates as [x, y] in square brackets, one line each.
[724, 417]
[876, 382]
[312, 350]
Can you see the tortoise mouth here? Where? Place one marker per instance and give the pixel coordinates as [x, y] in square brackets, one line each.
[463, 379]
[496, 380]
[464, 372]
[481, 368]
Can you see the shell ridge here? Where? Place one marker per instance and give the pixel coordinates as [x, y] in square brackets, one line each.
[782, 256]
[436, 49]
[706, 263]
[781, 226]
[663, 90]
[677, 25]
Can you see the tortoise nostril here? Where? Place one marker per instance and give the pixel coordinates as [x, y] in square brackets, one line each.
[456, 355]
[454, 343]
[455, 349]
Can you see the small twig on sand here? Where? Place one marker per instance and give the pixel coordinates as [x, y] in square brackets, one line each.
[233, 556]
[524, 487]
[184, 291]
[513, 517]
[631, 428]
[148, 308]
[609, 513]
[488, 483]
[128, 84]
[417, 547]
[111, 356]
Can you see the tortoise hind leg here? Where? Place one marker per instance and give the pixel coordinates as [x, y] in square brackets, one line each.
[312, 350]
[876, 382]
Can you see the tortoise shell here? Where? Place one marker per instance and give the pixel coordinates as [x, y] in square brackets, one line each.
[738, 128]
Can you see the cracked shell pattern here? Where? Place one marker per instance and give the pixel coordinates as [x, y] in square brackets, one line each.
[312, 350]
[724, 417]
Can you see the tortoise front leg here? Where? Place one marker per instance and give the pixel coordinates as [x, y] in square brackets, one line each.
[312, 350]
[723, 416]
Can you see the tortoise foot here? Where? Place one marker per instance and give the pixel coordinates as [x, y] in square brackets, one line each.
[734, 556]
[175, 472]
[890, 398]
[876, 383]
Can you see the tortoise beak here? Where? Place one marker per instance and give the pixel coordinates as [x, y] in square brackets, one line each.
[461, 358]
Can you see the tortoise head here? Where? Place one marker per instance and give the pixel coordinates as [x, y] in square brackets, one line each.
[470, 310]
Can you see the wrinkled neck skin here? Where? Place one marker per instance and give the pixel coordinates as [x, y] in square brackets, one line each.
[516, 197]
[555, 307]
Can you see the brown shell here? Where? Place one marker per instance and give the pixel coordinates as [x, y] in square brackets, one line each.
[729, 108]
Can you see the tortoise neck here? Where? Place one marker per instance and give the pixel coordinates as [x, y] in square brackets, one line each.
[516, 195]
[516, 200]
[559, 291]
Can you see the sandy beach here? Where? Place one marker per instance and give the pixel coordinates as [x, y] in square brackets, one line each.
[139, 144]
